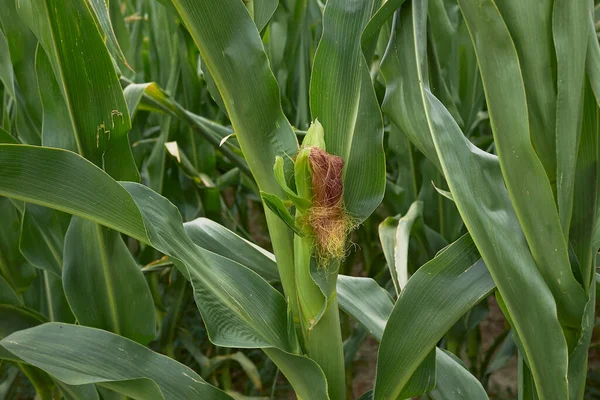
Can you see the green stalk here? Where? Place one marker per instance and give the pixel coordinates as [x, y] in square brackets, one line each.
[283, 248]
[322, 336]
[324, 345]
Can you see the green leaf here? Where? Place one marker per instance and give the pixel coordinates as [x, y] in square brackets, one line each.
[593, 60]
[570, 43]
[81, 392]
[280, 209]
[13, 267]
[456, 382]
[79, 184]
[404, 106]
[443, 289]
[216, 238]
[78, 355]
[102, 19]
[6, 137]
[261, 11]
[305, 376]
[51, 297]
[527, 26]
[16, 318]
[231, 46]
[6, 69]
[586, 191]
[489, 216]
[103, 283]
[343, 99]
[7, 294]
[42, 237]
[57, 128]
[371, 305]
[528, 185]
[239, 308]
[22, 45]
[88, 81]
[366, 301]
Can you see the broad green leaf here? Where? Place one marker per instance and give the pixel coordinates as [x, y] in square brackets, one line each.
[456, 382]
[586, 190]
[87, 79]
[51, 298]
[103, 283]
[6, 137]
[366, 301]
[442, 40]
[7, 294]
[343, 99]
[230, 47]
[102, 19]
[261, 11]
[371, 305]
[404, 106]
[297, 56]
[531, 47]
[42, 237]
[6, 69]
[578, 358]
[57, 128]
[489, 216]
[593, 60]
[22, 44]
[21, 172]
[570, 35]
[443, 290]
[216, 238]
[78, 355]
[16, 318]
[239, 308]
[528, 185]
[13, 267]
[305, 376]
[81, 392]
[373, 27]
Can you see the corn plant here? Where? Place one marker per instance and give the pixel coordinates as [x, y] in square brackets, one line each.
[487, 112]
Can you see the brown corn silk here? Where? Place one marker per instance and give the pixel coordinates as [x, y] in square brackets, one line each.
[327, 217]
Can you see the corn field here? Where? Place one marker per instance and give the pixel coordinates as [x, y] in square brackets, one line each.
[311, 199]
